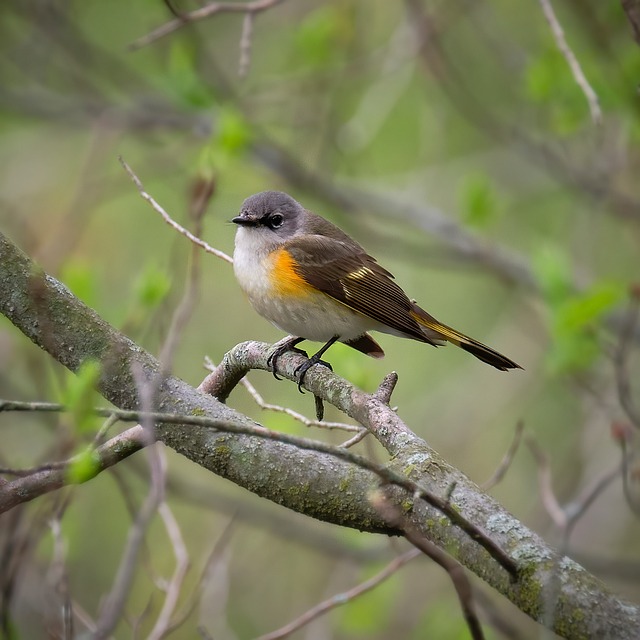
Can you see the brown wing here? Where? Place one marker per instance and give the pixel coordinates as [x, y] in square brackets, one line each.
[347, 274]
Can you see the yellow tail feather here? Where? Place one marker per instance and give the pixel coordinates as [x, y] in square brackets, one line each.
[436, 330]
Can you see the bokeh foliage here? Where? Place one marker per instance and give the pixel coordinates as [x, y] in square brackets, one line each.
[467, 111]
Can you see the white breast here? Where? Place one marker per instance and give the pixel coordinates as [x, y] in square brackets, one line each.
[317, 317]
[250, 263]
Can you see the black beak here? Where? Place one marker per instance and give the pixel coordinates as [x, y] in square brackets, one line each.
[244, 221]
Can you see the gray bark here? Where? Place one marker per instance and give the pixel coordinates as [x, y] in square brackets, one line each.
[310, 482]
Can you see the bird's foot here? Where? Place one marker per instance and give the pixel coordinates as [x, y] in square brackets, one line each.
[301, 371]
[284, 346]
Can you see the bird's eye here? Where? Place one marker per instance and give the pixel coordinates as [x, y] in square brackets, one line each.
[275, 221]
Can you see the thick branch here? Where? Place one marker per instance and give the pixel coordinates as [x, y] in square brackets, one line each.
[305, 481]
[308, 481]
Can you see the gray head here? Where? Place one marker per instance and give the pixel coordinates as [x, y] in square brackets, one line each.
[277, 217]
[273, 213]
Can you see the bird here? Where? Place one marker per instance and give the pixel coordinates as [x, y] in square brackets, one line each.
[313, 281]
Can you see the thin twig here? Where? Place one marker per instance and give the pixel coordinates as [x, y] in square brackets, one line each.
[572, 61]
[632, 9]
[162, 626]
[545, 485]
[168, 219]
[631, 470]
[25, 489]
[343, 598]
[506, 461]
[566, 517]
[201, 13]
[172, 9]
[190, 604]
[184, 309]
[113, 606]
[61, 574]
[127, 495]
[245, 44]
[394, 516]
[387, 474]
[622, 357]
[359, 437]
[7, 405]
[307, 422]
[575, 509]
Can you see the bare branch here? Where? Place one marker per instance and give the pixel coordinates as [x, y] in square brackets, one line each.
[163, 624]
[342, 598]
[456, 573]
[167, 218]
[245, 44]
[359, 437]
[632, 9]
[565, 517]
[545, 485]
[572, 61]
[217, 551]
[203, 192]
[386, 387]
[54, 476]
[266, 406]
[75, 333]
[505, 463]
[387, 474]
[200, 14]
[368, 410]
[622, 358]
[61, 574]
[629, 438]
[114, 603]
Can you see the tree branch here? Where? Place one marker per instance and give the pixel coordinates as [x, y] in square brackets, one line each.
[572, 61]
[311, 482]
[632, 9]
[248, 8]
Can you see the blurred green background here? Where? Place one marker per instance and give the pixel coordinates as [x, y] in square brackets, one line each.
[451, 139]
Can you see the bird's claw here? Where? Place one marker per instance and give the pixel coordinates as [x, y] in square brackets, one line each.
[272, 359]
[301, 371]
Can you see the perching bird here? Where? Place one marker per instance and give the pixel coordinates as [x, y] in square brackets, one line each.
[312, 280]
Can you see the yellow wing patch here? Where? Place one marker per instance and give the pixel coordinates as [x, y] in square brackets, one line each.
[284, 278]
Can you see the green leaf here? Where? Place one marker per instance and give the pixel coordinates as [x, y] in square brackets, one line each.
[83, 467]
[585, 309]
[233, 133]
[573, 353]
[183, 78]
[478, 200]
[542, 77]
[80, 395]
[319, 37]
[574, 327]
[81, 280]
[152, 287]
[574, 316]
[553, 271]
[549, 82]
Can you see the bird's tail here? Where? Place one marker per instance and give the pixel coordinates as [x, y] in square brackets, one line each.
[436, 331]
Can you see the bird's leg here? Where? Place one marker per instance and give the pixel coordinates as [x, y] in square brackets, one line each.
[288, 344]
[316, 358]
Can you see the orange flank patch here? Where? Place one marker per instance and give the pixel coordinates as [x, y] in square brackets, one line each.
[284, 279]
